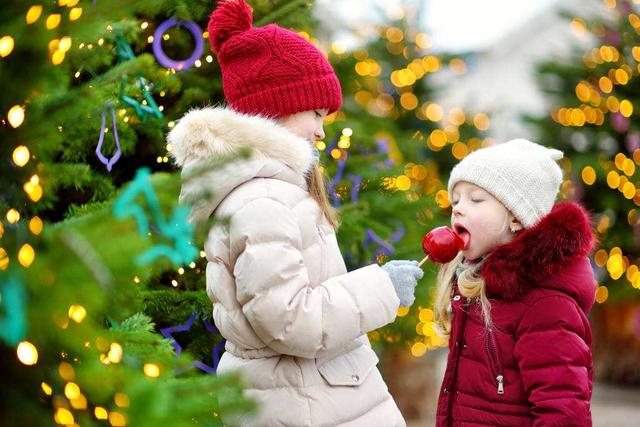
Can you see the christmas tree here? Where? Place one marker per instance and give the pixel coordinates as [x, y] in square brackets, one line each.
[100, 275]
[594, 98]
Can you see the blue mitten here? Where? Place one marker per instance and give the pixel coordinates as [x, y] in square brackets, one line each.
[404, 275]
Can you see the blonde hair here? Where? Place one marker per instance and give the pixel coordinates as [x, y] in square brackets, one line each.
[470, 285]
[317, 189]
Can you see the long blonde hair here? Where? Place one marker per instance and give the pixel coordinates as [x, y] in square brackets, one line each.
[470, 285]
[317, 189]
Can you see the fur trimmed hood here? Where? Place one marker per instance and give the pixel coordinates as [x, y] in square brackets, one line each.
[210, 133]
[206, 133]
[551, 254]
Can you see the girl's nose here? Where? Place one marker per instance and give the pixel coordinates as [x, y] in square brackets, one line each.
[319, 134]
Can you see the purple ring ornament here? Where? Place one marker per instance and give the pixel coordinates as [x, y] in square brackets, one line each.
[162, 58]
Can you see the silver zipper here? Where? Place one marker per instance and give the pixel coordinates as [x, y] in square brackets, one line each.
[494, 359]
[500, 380]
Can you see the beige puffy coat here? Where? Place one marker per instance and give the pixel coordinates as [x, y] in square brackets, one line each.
[294, 319]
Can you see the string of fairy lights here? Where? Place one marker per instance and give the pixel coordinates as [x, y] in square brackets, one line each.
[27, 352]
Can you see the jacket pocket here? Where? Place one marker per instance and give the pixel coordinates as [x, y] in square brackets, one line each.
[351, 368]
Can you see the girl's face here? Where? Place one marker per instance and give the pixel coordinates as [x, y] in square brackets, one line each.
[481, 220]
[307, 124]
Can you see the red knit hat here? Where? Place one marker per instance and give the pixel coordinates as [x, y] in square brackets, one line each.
[269, 70]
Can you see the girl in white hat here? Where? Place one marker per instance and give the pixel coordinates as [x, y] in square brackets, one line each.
[514, 302]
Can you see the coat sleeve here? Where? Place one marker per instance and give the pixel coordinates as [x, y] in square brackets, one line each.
[555, 362]
[274, 291]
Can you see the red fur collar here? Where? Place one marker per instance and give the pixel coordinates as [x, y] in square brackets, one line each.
[539, 253]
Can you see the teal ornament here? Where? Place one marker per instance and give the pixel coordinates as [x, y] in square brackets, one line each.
[123, 50]
[141, 110]
[13, 320]
[125, 53]
[175, 229]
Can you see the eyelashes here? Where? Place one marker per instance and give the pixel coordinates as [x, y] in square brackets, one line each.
[455, 202]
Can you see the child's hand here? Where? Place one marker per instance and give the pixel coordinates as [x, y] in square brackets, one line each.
[404, 275]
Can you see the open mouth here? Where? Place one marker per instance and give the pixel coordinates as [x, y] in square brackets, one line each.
[464, 235]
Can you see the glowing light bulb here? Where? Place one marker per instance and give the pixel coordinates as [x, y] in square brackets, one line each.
[52, 22]
[21, 156]
[72, 391]
[151, 370]
[46, 388]
[115, 353]
[79, 402]
[57, 57]
[27, 353]
[13, 216]
[6, 45]
[33, 14]
[65, 43]
[116, 419]
[100, 413]
[4, 259]
[63, 416]
[16, 116]
[26, 255]
[418, 349]
[75, 13]
[77, 313]
[36, 225]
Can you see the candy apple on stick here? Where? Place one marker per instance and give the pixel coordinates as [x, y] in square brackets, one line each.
[441, 245]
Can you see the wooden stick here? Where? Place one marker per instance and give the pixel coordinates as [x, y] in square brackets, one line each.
[423, 261]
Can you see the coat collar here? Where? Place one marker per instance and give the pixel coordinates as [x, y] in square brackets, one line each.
[551, 254]
[207, 134]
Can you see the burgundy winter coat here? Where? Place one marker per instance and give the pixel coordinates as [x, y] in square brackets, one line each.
[534, 368]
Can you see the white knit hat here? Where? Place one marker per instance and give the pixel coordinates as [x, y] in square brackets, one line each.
[521, 174]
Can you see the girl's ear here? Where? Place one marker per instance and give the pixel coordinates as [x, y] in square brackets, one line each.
[515, 226]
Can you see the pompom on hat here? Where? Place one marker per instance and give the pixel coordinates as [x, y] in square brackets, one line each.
[521, 174]
[269, 70]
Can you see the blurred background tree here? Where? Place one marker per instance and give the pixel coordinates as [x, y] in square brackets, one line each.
[595, 100]
[392, 147]
[391, 144]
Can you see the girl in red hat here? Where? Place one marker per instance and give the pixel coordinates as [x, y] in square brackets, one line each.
[294, 319]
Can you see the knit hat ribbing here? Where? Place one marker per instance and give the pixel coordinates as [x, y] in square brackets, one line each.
[269, 70]
[521, 174]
